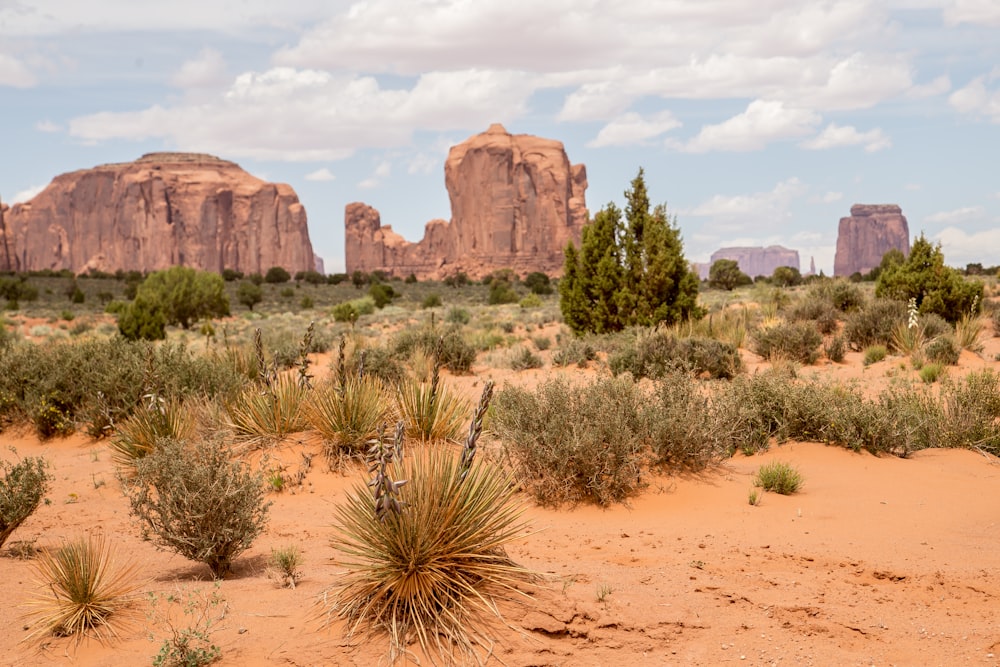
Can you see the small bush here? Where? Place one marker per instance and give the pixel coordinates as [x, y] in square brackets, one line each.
[875, 354]
[574, 351]
[22, 487]
[447, 345]
[929, 373]
[269, 412]
[137, 436]
[379, 362]
[657, 354]
[197, 501]
[348, 415]
[835, 349]
[995, 320]
[531, 301]
[798, 341]
[778, 477]
[457, 315]
[542, 343]
[189, 646]
[943, 350]
[430, 413]
[524, 359]
[874, 324]
[286, 563]
[81, 590]
[277, 275]
[432, 300]
[679, 422]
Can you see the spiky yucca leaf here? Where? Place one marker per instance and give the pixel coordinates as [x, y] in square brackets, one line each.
[136, 436]
[348, 415]
[81, 590]
[269, 412]
[431, 572]
[429, 415]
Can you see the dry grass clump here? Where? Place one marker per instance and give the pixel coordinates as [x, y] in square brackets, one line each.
[269, 412]
[430, 411]
[159, 419]
[81, 591]
[349, 414]
[778, 477]
[425, 554]
[22, 486]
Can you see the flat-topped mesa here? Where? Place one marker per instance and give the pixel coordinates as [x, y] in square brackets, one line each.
[515, 202]
[863, 238]
[161, 210]
[759, 261]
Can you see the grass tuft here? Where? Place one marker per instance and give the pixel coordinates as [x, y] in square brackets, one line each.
[778, 477]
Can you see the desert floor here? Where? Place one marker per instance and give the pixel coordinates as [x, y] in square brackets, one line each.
[876, 561]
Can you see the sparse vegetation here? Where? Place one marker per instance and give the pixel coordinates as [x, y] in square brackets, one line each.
[778, 477]
[22, 486]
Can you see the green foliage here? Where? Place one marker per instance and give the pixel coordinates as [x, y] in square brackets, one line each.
[531, 301]
[574, 443]
[286, 562]
[269, 412]
[249, 294]
[524, 359]
[786, 276]
[725, 274]
[574, 351]
[381, 294]
[835, 349]
[311, 277]
[798, 341]
[778, 477]
[230, 275]
[874, 354]
[459, 279]
[446, 344]
[658, 353]
[349, 414]
[501, 292]
[179, 295]
[943, 350]
[276, 275]
[937, 288]
[629, 271]
[457, 315]
[679, 422]
[197, 501]
[159, 419]
[22, 487]
[430, 411]
[930, 373]
[189, 646]
[432, 300]
[538, 283]
[874, 324]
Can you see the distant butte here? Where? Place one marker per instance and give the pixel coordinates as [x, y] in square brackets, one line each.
[515, 202]
[161, 210]
[871, 231]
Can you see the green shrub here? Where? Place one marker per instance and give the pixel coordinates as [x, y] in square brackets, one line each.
[197, 501]
[501, 292]
[531, 301]
[137, 435]
[22, 487]
[524, 359]
[778, 477]
[655, 354]
[929, 373]
[432, 300]
[943, 350]
[381, 294]
[571, 444]
[798, 341]
[542, 343]
[457, 315]
[538, 283]
[447, 344]
[874, 324]
[574, 351]
[835, 349]
[379, 362]
[348, 415]
[430, 411]
[679, 422]
[875, 354]
[277, 274]
[182, 296]
[270, 412]
[287, 292]
[971, 410]
[249, 294]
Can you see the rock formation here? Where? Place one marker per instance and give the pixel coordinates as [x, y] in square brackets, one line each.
[515, 202]
[758, 261]
[870, 232]
[162, 210]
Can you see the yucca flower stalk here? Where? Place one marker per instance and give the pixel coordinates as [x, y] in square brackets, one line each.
[305, 379]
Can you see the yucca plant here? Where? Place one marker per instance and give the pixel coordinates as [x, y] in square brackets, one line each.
[81, 591]
[269, 411]
[159, 419]
[430, 411]
[967, 331]
[426, 561]
[348, 415]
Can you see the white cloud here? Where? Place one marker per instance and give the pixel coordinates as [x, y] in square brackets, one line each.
[323, 174]
[830, 197]
[762, 211]
[382, 171]
[975, 99]
[961, 247]
[957, 216]
[48, 126]
[835, 136]
[632, 129]
[981, 12]
[208, 70]
[763, 122]
[938, 86]
[26, 195]
[304, 115]
[422, 163]
[15, 73]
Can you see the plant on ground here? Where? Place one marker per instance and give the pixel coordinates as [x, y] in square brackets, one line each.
[138, 434]
[678, 421]
[574, 351]
[261, 413]
[276, 275]
[798, 341]
[446, 344]
[432, 300]
[655, 354]
[542, 343]
[971, 410]
[457, 315]
[426, 561]
[725, 274]
[874, 354]
[834, 349]
[967, 331]
[348, 414]
[931, 372]
[430, 411]
[286, 564]
[943, 350]
[523, 359]
[753, 497]
[82, 590]
[995, 319]
[22, 486]
[197, 501]
[778, 477]
[575, 443]
[874, 324]
[179, 295]
[189, 646]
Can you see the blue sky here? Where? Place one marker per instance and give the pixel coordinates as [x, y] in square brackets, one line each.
[757, 123]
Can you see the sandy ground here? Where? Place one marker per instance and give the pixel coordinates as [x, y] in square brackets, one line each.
[876, 561]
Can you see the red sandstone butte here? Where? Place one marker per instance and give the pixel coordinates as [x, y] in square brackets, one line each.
[515, 202]
[870, 232]
[162, 210]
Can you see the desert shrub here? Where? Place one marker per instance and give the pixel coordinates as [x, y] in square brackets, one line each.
[751, 410]
[197, 501]
[875, 354]
[874, 324]
[137, 436]
[791, 340]
[22, 487]
[971, 409]
[929, 373]
[348, 415]
[381, 294]
[524, 359]
[538, 283]
[778, 477]
[943, 350]
[432, 300]
[571, 444]
[378, 362]
[658, 353]
[430, 411]
[967, 330]
[287, 292]
[811, 307]
[229, 275]
[834, 349]
[180, 295]
[189, 646]
[845, 296]
[933, 325]
[426, 561]
[995, 320]
[827, 322]
[286, 564]
[276, 275]
[350, 311]
[531, 301]
[502, 292]
[447, 345]
[574, 351]
[457, 315]
[81, 590]
[542, 343]
[249, 294]
[269, 412]
[678, 421]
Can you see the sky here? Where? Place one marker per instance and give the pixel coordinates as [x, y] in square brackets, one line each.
[756, 123]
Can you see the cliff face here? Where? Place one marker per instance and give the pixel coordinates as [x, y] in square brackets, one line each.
[515, 203]
[871, 231]
[757, 261]
[162, 210]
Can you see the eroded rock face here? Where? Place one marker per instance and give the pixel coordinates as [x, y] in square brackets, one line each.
[758, 261]
[515, 202]
[162, 210]
[871, 231]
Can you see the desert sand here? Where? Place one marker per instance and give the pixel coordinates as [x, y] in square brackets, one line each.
[876, 561]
